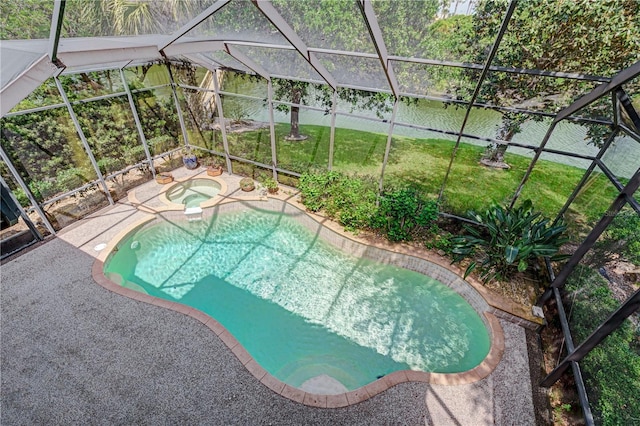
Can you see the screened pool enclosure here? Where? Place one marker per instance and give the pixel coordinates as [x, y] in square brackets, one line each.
[96, 100]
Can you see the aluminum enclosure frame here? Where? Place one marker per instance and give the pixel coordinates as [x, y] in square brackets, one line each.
[73, 55]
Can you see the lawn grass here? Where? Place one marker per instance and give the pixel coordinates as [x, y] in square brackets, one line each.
[424, 162]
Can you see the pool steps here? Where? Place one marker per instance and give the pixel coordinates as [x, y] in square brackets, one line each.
[193, 213]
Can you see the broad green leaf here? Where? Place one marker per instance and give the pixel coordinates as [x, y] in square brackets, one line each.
[469, 269]
[522, 266]
[510, 253]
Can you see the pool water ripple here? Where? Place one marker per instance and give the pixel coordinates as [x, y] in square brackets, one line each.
[288, 296]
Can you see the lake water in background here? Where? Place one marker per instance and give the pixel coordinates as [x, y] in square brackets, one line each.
[623, 158]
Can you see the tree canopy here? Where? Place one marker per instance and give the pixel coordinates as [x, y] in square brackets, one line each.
[589, 37]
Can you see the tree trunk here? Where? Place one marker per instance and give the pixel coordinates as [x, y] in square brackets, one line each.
[497, 153]
[294, 132]
[494, 154]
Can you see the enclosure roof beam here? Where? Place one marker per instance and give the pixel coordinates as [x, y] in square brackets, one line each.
[28, 81]
[376, 35]
[56, 28]
[619, 79]
[92, 56]
[193, 46]
[202, 16]
[426, 61]
[203, 62]
[498, 68]
[292, 37]
[238, 55]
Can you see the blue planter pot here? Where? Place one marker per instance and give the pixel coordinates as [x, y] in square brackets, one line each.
[190, 161]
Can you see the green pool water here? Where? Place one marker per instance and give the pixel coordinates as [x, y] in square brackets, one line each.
[301, 307]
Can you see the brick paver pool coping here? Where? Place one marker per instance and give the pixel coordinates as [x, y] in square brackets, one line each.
[409, 258]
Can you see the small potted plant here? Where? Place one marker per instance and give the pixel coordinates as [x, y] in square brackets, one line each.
[271, 184]
[247, 184]
[164, 178]
[189, 158]
[214, 166]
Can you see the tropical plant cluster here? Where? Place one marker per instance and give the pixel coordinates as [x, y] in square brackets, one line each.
[502, 243]
[507, 241]
[612, 369]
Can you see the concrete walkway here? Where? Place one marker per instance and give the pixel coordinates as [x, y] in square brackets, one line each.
[74, 353]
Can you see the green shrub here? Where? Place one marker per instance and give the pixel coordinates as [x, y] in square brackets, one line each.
[404, 213]
[508, 241]
[612, 369]
[70, 179]
[161, 143]
[21, 197]
[441, 240]
[41, 189]
[313, 189]
[352, 201]
[348, 199]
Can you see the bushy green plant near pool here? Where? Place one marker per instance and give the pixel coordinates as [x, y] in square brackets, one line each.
[314, 189]
[401, 214]
[404, 213]
[422, 163]
[351, 200]
[507, 241]
[612, 369]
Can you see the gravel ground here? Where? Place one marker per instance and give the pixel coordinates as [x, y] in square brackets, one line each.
[74, 353]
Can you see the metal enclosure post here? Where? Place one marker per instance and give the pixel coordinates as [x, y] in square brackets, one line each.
[575, 367]
[23, 213]
[533, 162]
[332, 133]
[593, 236]
[223, 127]
[388, 147]
[476, 92]
[56, 29]
[26, 190]
[185, 135]
[272, 130]
[85, 143]
[136, 118]
[631, 305]
[586, 175]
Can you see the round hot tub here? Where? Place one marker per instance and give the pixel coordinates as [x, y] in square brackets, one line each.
[193, 192]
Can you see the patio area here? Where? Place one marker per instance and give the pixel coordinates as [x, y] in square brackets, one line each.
[74, 352]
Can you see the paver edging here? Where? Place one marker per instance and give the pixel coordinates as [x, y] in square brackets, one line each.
[481, 371]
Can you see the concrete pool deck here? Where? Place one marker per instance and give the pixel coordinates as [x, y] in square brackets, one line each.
[73, 352]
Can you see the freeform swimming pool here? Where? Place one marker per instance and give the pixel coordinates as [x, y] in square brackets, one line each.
[299, 306]
[193, 192]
